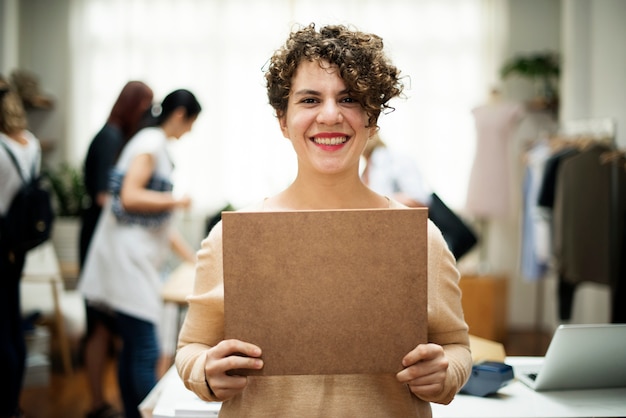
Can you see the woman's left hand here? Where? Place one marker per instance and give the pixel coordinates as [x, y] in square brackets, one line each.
[425, 370]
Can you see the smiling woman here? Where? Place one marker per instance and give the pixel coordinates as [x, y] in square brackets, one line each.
[328, 88]
[438, 44]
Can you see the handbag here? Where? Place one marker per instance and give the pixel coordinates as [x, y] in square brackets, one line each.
[457, 234]
[146, 219]
[28, 222]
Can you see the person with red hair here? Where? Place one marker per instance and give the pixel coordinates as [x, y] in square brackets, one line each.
[126, 118]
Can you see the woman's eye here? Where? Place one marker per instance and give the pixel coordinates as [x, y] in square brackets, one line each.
[349, 100]
[309, 100]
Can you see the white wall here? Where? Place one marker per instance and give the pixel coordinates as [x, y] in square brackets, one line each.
[43, 49]
[8, 34]
[594, 79]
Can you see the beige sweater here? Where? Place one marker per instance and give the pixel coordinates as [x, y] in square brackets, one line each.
[333, 395]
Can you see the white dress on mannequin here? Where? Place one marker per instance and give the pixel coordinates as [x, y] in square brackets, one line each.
[489, 189]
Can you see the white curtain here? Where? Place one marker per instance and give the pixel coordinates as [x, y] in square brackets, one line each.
[218, 49]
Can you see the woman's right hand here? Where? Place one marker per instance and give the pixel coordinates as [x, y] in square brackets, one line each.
[230, 355]
[183, 202]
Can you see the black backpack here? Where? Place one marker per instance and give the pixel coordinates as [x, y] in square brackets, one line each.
[28, 222]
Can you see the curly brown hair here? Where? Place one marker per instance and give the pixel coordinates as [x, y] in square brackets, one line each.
[12, 114]
[368, 74]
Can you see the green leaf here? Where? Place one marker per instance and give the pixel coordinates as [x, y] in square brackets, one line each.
[68, 190]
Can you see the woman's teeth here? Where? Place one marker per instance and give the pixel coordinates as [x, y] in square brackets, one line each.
[331, 141]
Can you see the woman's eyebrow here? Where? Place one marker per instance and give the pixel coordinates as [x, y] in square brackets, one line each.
[306, 92]
[310, 92]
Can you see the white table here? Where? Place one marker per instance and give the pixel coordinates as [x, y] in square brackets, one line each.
[519, 401]
[171, 399]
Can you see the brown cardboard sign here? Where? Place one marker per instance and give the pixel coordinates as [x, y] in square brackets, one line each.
[326, 292]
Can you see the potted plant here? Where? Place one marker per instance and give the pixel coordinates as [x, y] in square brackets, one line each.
[68, 190]
[68, 199]
[542, 69]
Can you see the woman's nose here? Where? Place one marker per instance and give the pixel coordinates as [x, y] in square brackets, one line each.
[330, 113]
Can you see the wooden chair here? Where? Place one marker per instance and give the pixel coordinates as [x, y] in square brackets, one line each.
[42, 268]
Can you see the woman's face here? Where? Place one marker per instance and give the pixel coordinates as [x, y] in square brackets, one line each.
[182, 124]
[327, 128]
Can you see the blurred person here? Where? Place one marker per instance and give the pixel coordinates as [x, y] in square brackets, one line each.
[328, 88]
[123, 122]
[26, 149]
[123, 268]
[397, 175]
[394, 174]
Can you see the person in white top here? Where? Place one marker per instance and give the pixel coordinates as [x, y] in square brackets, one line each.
[122, 270]
[27, 151]
[394, 174]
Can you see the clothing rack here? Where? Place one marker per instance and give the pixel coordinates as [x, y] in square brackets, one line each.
[589, 131]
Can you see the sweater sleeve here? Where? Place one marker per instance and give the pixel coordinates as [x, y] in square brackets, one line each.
[446, 323]
[203, 326]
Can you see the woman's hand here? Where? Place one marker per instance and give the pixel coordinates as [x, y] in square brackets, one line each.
[425, 370]
[183, 202]
[230, 355]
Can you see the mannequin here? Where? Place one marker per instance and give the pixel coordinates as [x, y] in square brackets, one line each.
[489, 191]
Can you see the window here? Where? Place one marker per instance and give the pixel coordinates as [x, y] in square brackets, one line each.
[218, 48]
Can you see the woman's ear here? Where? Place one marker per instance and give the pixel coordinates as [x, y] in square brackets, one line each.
[282, 121]
[180, 113]
[373, 130]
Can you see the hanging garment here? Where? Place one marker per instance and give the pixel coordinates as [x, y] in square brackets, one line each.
[618, 308]
[547, 188]
[489, 188]
[536, 244]
[582, 217]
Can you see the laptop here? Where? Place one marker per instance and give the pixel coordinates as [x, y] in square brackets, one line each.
[580, 357]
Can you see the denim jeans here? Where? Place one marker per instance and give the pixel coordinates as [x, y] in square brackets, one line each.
[137, 361]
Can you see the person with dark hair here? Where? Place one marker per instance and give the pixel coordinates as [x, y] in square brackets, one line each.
[122, 270]
[123, 122]
[15, 138]
[328, 88]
